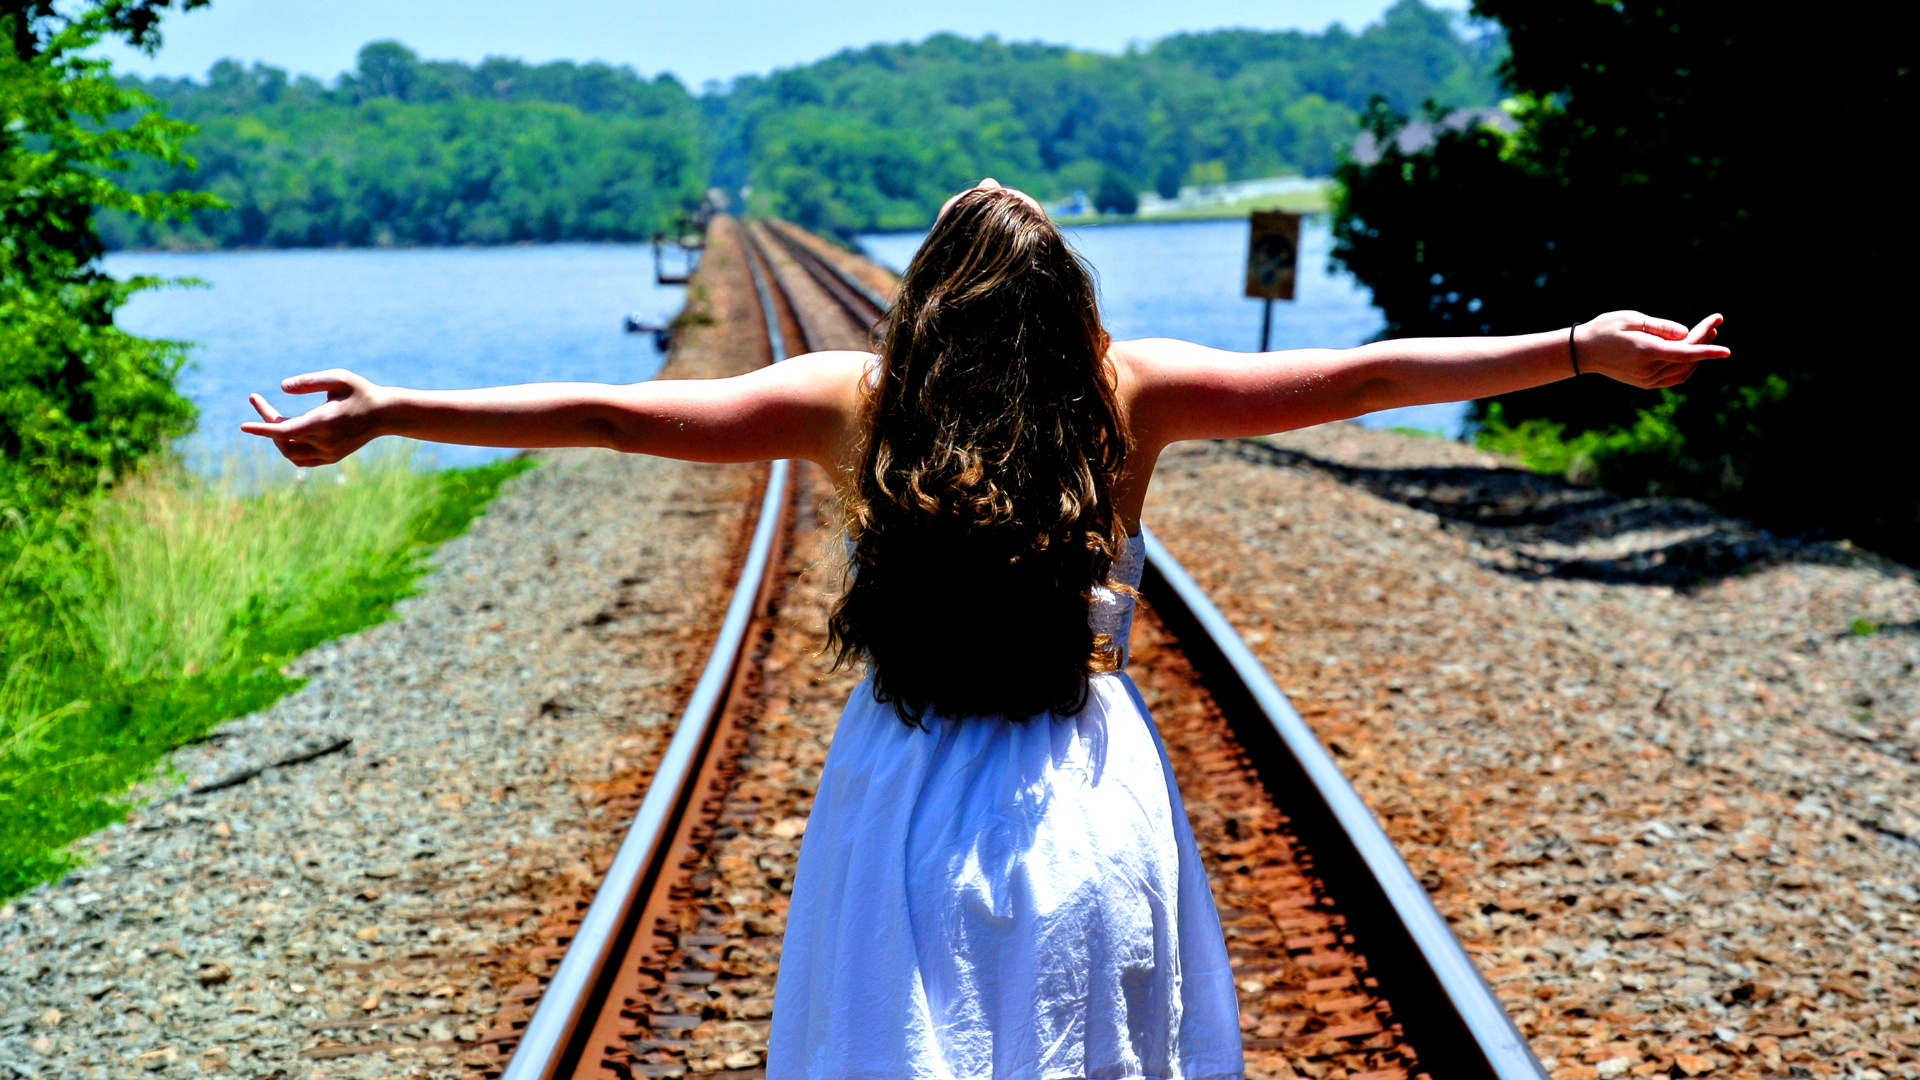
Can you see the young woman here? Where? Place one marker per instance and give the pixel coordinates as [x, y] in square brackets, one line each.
[998, 879]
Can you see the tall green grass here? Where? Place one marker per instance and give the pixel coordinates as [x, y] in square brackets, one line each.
[135, 625]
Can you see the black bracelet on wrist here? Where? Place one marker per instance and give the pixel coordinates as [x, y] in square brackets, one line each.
[1571, 353]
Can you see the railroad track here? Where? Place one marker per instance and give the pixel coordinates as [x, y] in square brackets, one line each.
[1340, 959]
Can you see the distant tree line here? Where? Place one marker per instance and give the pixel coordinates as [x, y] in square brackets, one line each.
[405, 151]
[411, 151]
[876, 137]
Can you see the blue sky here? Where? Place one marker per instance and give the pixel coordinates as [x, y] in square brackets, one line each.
[697, 40]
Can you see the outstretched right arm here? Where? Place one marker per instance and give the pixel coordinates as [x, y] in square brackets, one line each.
[802, 408]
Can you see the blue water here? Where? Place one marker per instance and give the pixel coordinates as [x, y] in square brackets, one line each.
[430, 318]
[1185, 281]
[441, 318]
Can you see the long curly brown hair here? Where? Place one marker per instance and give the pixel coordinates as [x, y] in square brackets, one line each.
[982, 515]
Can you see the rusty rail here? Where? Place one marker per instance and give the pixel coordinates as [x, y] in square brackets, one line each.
[553, 1041]
[853, 295]
[1447, 1009]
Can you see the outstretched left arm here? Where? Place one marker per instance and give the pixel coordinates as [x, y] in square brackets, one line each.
[1180, 390]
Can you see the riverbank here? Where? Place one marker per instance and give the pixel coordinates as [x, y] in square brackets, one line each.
[134, 624]
[1219, 202]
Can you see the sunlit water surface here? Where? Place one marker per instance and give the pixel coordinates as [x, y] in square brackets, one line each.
[440, 318]
[432, 318]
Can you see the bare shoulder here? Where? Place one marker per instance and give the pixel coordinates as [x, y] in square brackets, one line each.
[1146, 365]
[1173, 389]
[1150, 375]
[1145, 357]
[843, 360]
[826, 370]
[810, 381]
[825, 388]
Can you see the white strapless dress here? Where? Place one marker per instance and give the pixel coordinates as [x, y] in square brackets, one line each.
[1015, 901]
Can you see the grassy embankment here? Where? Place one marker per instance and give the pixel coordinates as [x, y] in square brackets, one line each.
[173, 606]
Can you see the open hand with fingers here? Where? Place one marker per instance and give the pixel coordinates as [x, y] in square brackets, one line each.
[345, 422]
[1643, 351]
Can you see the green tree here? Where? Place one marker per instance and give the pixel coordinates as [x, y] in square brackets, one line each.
[1662, 163]
[1115, 195]
[80, 401]
[386, 69]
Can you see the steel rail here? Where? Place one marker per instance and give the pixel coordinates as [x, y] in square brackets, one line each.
[819, 267]
[1449, 1012]
[776, 340]
[550, 1041]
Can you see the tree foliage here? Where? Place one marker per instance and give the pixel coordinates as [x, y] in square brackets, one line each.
[405, 150]
[80, 401]
[1661, 163]
[420, 152]
[877, 137]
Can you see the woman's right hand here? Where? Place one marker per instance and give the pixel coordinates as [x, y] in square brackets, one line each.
[348, 420]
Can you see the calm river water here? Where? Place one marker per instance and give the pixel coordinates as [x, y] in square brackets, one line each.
[453, 317]
[434, 318]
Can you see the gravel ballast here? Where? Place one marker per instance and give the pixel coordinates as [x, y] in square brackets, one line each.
[1658, 768]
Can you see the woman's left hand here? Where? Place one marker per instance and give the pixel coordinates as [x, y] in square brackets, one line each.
[1643, 351]
[348, 420]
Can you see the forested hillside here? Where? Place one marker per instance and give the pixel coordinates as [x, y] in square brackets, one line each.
[878, 136]
[410, 151]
